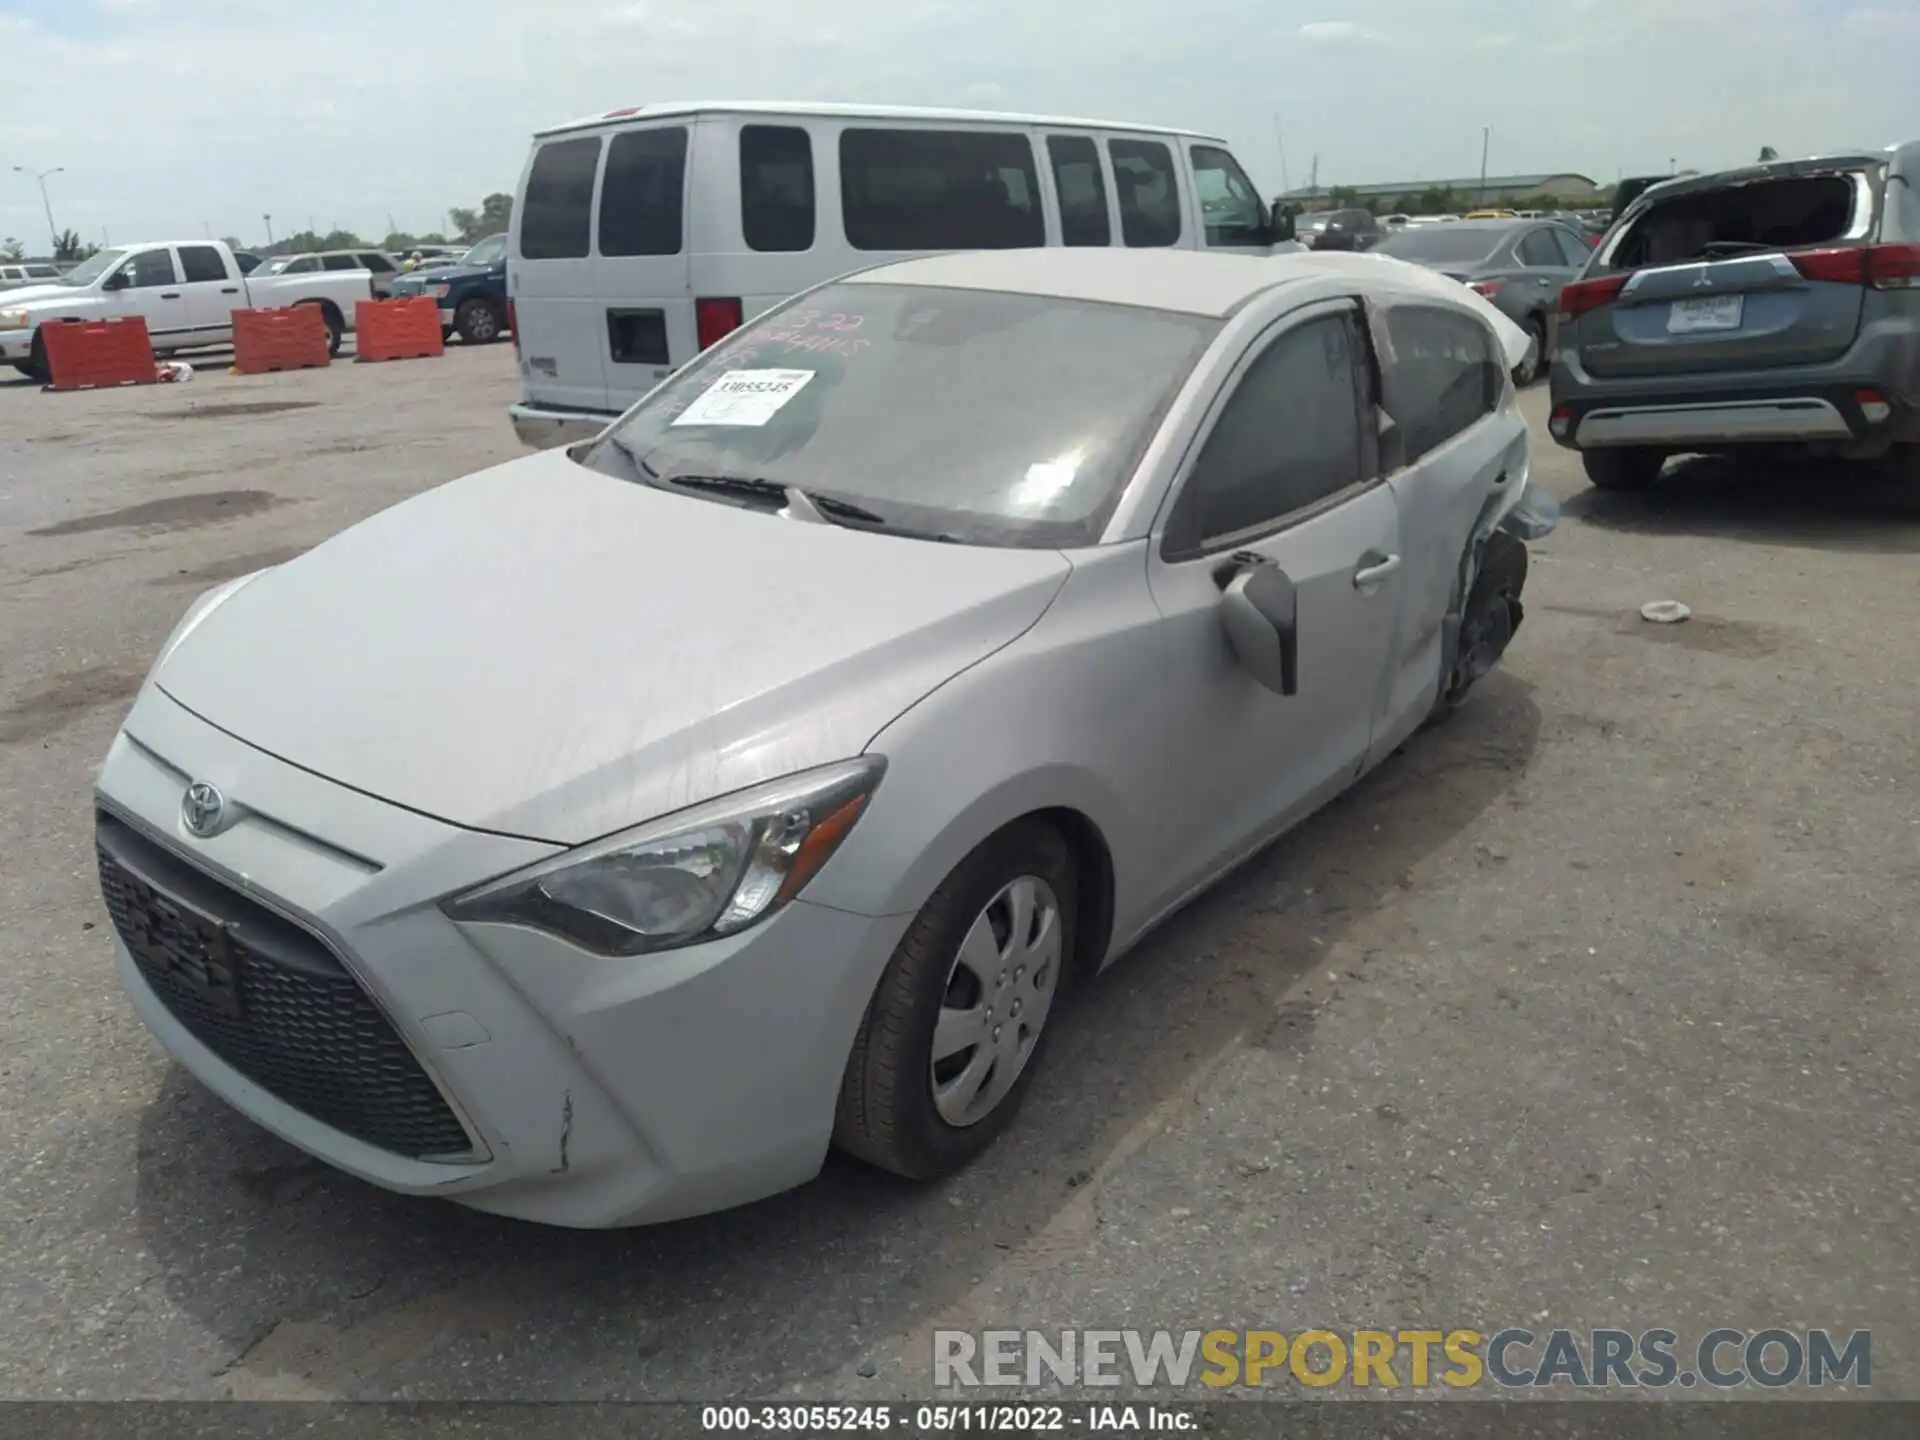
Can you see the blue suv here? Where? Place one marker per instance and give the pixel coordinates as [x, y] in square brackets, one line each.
[472, 294]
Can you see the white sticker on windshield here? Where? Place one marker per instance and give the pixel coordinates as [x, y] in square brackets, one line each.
[745, 397]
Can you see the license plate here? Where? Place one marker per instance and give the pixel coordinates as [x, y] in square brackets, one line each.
[1711, 312]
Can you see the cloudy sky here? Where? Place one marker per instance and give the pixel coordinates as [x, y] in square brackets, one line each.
[167, 115]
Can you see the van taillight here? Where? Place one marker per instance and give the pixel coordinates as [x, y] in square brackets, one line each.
[1884, 267]
[1584, 295]
[715, 319]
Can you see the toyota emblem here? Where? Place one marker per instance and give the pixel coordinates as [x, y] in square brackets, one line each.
[202, 809]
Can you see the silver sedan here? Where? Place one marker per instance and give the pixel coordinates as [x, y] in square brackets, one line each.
[601, 837]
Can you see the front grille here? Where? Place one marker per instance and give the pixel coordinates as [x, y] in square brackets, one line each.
[269, 999]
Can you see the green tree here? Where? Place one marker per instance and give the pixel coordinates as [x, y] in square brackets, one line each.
[12, 249]
[399, 242]
[1342, 197]
[493, 216]
[68, 245]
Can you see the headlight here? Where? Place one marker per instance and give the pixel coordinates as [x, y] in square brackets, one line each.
[14, 319]
[440, 292]
[703, 873]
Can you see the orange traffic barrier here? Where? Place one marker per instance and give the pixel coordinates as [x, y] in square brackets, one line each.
[98, 354]
[397, 329]
[293, 337]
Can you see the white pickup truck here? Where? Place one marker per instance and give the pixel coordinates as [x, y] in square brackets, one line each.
[187, 290]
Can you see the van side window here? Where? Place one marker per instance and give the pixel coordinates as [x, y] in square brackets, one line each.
[1441, 371]
[1082, 189]
[776, 187]
[557, 217]
[1149, 193]
[939, 190]
[642, 197]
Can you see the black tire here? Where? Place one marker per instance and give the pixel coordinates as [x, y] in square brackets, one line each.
[887, 1114]
[1527, 374]
[36, 366]
[336, 327]
[1629, 468]
[479, 321]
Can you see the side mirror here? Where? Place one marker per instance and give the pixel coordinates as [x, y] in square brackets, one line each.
[119, 280]
[1260, 611]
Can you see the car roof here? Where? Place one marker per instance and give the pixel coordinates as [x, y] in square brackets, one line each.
[858, 112]
[1191, 282]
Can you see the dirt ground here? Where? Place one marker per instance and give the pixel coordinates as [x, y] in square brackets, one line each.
[1594, 1007]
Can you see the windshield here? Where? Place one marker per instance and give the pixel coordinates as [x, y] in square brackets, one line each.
[978, 416]
[96, 265]
[1457, 247]
[489, 251]
[275, 265]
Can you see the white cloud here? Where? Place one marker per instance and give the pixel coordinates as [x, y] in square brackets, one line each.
[1339, 32]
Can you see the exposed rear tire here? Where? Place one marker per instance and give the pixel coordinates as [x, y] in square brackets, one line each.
[479, 321]
[1531, 370]
[1629, 468]
[336, 327]
[36, 366]
[901, 1108]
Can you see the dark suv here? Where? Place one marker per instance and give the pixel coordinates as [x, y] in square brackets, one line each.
[471, 294]
[1778, 305]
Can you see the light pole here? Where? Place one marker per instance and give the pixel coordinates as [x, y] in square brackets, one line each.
[53, 235]
[269, 220]
[1486, 137]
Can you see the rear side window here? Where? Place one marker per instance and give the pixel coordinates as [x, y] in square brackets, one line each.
[305, 265]
[1082, 190]
[939, 190]
[340, 262]
[1537, 248]
[202, 264]
[1149, 193]
[557, 217]
[642, 196]
[1442, 373]
[378, 264]
[1573, 250]
[776, 187]
[1288, 437]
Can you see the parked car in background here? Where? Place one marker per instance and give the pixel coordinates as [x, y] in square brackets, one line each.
[381, 266]
[1520, 265]
[705, 214]
[1347, 230]
[1769, 307]
[471, 292]
[1161, 524]
[1490, 215]
[185, 290]
[13, 276]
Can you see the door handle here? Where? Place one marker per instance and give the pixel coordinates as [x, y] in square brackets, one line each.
[229, 289]
[1543, 281]
[1374, 568]
[171, 295]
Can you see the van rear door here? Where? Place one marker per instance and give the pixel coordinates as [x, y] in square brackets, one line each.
[557, 314]
[644, 320]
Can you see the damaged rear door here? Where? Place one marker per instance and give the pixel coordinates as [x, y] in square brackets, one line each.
[1456, 448]
[1742, 272]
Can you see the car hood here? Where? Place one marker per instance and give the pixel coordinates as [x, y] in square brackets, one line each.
[441, 272]
[544, 651]
[34, 297]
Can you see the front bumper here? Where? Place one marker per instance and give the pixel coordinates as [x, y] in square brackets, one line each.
[543, 427]
[594, 1092]
[15, 345]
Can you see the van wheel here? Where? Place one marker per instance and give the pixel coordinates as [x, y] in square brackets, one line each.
[1628, 468]
[953, 1034]
[479, 321]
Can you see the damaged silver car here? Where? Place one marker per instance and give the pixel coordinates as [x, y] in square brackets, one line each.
[600, 838]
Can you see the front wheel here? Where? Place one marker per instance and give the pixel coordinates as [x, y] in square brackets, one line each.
[36, 366]
[479, 322]
[1627, 468]
[336, 328]
[1529, 370]
[952, 1036]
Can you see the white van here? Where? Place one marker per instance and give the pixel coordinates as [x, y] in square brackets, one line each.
[642, 236]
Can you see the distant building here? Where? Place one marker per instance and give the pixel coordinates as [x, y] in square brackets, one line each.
[1566, 185]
